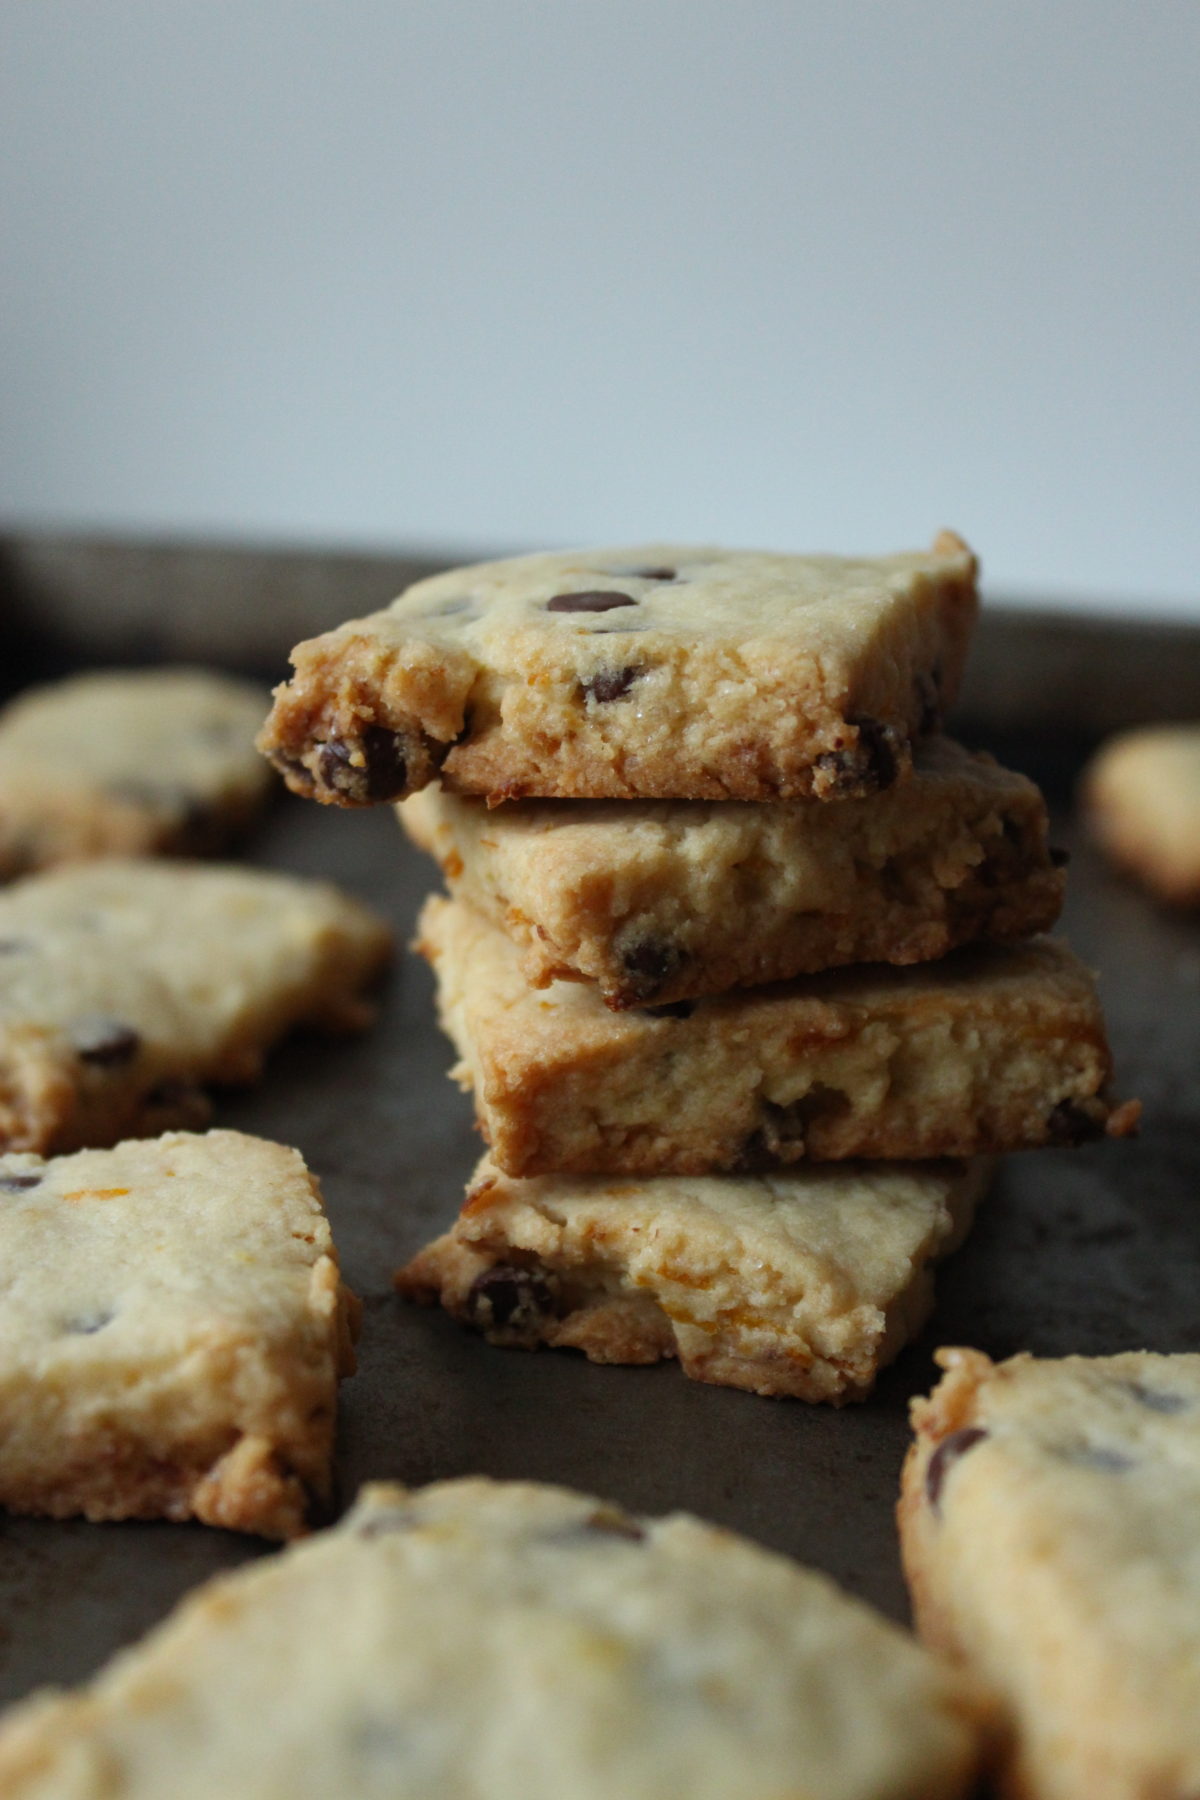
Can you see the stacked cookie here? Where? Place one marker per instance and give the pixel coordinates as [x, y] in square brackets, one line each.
[719, 1104]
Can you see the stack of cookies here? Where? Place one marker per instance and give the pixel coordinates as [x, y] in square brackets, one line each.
[740, 970]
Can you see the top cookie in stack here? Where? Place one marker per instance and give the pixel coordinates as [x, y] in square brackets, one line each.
[652, 673]
[645, 975]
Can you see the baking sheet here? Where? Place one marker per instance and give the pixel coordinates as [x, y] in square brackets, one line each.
[1089, 1250]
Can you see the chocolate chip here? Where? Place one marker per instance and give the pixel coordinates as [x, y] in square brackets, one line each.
[673, 1009]
[508, 1298]
[1097, 1456]
[1059, 858]
[654, 574]
[867, 766]
[785, 1127]
[649, 963]
[18, 1184]
[945, 1456]
[589, 600]
[105, 1043]
[88, 1324]
[929, 699]
[1159, 1400]
[610, 684]
[382, 775]
[1071, 1122]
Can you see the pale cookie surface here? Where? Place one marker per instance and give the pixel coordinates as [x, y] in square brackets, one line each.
[172, 1330]
[128, 762]
[124, 985]
[661, 671]
[985, 1051]
[657, 900]
[1050, 1521]
[804, 1282]
[1142, 794]
[507, 1641]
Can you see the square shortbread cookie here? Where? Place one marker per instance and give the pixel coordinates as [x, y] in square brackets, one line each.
[127, 762]
[985, 1051]
[662, 671]
[660, 900]
[508, 1641]
[1050, 1522]
[172, 1331]
[804, 1282]
[125, 985]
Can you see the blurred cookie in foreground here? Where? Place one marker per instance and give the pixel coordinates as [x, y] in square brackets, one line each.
[126, 763]
[484, 1640]
[1141, 793]
[803, 1282]
[172, 1331]
[1050, 1523]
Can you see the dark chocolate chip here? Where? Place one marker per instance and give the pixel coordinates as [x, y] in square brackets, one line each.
[1060, 858]
[105, 1043]
[1070, 1123]
[610, 684]
[1159, 1400]
[649, 963]
[18, 1184]
[865, 767]
[786, 1126]
[88, 1324]
[929, 699]
[383, 774]
[654, 574]
[945, 1456]
[590, 600]
[1097, 1456]
[673, 1009]
[509, 1298]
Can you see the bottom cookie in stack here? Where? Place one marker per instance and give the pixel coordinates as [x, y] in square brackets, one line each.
[805, 1282]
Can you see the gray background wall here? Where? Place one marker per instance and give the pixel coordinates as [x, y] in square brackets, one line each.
[452, 273]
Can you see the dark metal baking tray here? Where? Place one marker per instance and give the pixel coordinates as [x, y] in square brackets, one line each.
[1090, 1250]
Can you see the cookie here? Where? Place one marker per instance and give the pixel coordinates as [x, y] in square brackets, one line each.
[508, 1641]
[128, 763]
[988, 1050]
[662, 901]
[1049, 1520]
[172, 1331]
[804, 1282]
[124, 986]
[660, 672]
[1142, 796]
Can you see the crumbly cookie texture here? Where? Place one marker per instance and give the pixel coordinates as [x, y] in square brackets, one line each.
[1050, 1522]
[804, 1282]
[126, 985]
[172, 1331]
[661, 901]
[660, 671]
[988, 1050]
[508, 1641]
[126, 763]
[1142, 796]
